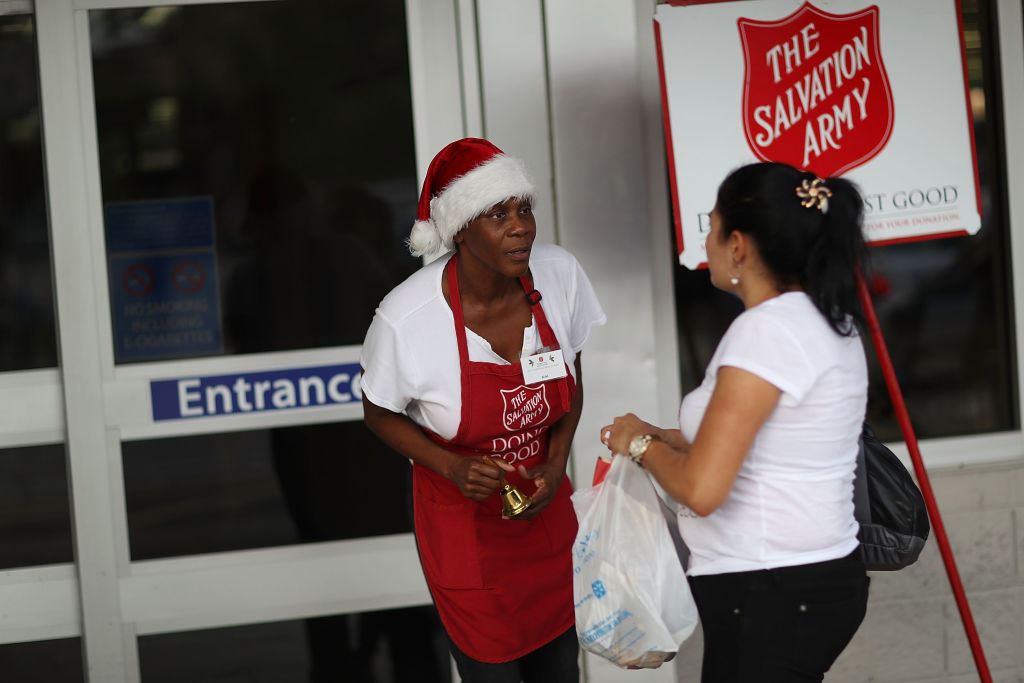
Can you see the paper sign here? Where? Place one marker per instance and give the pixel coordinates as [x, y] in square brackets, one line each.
[875, 93]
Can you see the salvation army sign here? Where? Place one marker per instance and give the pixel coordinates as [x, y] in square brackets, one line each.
[833, 86]
[815, 91]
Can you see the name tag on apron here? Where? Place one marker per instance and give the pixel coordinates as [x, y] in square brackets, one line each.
[543, 366]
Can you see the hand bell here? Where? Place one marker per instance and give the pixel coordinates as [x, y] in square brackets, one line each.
[514, 501]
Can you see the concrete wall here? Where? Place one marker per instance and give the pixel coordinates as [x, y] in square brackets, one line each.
[913, 632]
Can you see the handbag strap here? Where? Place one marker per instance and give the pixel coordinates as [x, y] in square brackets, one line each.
[861, 499]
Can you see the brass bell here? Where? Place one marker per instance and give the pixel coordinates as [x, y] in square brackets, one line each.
[514, 501]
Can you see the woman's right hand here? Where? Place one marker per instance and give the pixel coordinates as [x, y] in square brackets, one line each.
[478, 478]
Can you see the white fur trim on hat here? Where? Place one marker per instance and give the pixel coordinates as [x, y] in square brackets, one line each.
[467, 197]
[423, 239]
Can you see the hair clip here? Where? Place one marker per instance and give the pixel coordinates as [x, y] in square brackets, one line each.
[814, 194]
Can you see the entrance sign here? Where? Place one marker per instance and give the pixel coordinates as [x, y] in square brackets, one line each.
[875, 92]
[162, 262]
[255, 392]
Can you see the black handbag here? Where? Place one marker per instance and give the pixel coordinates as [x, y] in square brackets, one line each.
[889, 507]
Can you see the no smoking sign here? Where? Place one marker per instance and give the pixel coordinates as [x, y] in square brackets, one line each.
[188, 277]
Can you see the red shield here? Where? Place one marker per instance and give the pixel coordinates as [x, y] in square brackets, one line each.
[524, 407]
[815, 93]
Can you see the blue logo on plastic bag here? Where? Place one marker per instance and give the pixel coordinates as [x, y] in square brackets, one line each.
[598, 588]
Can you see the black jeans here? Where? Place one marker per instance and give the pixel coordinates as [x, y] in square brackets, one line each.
[779, 625]
[555, 662]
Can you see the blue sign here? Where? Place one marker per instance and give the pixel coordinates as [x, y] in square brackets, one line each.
[255, 392]
[163, 278]
[159, 225]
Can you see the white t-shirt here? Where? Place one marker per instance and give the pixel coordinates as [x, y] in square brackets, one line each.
[410, 357]
[792, 502]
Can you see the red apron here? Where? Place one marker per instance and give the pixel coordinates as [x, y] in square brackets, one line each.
[502, 587]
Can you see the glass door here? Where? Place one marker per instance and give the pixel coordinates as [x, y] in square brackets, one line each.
[37, 585]
[240, 177]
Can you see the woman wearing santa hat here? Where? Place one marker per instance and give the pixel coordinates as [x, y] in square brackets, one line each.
[471, 369]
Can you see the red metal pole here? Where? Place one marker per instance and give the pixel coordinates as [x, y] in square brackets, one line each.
[923, 481]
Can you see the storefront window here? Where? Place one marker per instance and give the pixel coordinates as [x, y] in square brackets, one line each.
[35, 517]
[370, 647]
[258, 172]
[221, 492]
[944, 305]
[43, 661]
[27, 331]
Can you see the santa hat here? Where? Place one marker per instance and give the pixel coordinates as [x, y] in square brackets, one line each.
[465, 179]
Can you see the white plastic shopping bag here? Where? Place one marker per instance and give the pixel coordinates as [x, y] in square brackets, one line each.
[633, 604]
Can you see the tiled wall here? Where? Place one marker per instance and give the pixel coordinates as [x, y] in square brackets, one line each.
[913, 632]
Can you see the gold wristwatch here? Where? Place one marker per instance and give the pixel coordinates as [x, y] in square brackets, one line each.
[638, 446]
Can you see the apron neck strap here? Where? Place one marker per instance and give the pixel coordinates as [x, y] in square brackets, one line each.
[547, 336]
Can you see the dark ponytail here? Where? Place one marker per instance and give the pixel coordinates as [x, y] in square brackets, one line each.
[813, 242]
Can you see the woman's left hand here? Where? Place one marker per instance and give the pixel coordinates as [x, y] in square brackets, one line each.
[625, 428]
[547, 478]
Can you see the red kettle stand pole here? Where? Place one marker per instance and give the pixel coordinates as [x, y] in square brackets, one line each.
[922, 479]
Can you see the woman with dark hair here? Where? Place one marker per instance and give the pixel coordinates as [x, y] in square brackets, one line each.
[763, 460]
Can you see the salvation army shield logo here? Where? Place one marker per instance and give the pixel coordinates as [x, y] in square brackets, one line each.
[815, 93]
[524, 407]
